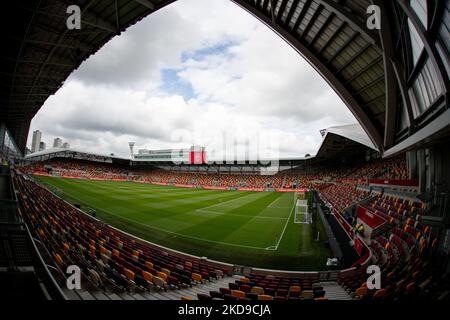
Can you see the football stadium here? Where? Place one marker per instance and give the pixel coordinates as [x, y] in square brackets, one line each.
[365, 217]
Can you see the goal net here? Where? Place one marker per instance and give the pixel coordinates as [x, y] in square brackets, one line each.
[302, 214]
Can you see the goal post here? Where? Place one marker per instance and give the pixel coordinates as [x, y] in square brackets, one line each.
[302, 211]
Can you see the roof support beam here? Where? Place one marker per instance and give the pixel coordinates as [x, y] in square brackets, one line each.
[265, 5]
[367, 67]
[116, 7]
[404, 92]
[311, 21]
[351, 19]
[273, 4]
[370, 85]
[322, 28]
[59, 62]
[390, 82]
[72, 45]
[320, 67]
[301, 15]
[51, 52]
[353, 58]
[342, 48]
[335, 33]
[146, 3]
[291, 12]
[281, 10]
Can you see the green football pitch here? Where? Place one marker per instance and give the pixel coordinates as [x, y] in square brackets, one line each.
[240, 227]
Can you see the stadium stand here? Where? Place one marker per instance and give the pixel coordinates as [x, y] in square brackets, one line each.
[112, 259]
[103, 253]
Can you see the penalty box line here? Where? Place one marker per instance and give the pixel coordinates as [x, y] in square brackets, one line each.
[284, 229]
[271, 205]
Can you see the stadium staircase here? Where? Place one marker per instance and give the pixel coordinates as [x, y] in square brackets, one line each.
[90, 292]
[284, 181]
[334, 291]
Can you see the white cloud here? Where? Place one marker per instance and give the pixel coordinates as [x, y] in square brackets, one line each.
[258, 86]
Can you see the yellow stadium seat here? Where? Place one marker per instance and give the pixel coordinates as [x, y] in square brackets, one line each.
[238, 293]
[147, 276]
[162, 275]
[58, 259]
[197, 277]
[129, 274]
[381, 293]
[257, 290]
[360, 292]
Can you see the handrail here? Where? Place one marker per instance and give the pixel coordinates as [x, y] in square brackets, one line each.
[54, 285]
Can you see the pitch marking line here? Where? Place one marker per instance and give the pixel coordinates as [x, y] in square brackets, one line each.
[275, 248]
[271, 205]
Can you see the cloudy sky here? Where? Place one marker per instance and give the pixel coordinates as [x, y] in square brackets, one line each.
[193, 73]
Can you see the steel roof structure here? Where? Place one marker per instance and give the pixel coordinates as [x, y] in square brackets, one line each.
[395, 80]
[39, 51]
[393, 94]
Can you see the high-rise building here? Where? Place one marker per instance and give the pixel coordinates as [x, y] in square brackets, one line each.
[57, 143]
[35, 144]
[66, 145]
[42, 146]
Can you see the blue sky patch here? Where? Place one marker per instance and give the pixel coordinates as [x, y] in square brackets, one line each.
[173, 84]
[217, 49]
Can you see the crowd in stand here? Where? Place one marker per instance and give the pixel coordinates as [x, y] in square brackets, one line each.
[81, 169]
[394, 168]
[341, 195]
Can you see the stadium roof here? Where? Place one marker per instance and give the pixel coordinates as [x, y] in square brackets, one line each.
[353, 132]
[369, 69]
[344, 141]
[40, 52]
[52, 151]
